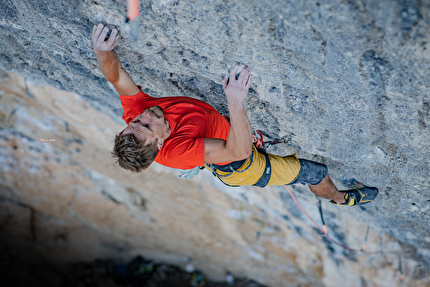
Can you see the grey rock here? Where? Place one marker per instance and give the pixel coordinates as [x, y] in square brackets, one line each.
[350, 79]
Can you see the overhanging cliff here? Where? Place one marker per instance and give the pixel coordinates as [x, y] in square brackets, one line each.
[349, 80]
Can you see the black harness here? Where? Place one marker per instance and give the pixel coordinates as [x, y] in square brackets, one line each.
[235, 165]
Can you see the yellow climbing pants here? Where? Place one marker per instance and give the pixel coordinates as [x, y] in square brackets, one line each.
[283, 170]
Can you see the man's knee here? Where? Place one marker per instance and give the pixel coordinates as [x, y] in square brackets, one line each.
[311, 172]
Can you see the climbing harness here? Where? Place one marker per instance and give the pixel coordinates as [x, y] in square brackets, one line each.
[234, 166]
[265, 178]
[231, 167]
[398, 273]
[261, 147]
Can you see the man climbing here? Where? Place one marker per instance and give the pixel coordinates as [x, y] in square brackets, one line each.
[186, 133]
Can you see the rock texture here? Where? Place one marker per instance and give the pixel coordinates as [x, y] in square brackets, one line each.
[347, 79]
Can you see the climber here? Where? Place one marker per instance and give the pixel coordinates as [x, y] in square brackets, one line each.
[186, 133]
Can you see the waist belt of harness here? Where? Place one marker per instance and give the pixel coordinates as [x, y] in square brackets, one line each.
[265, 178]
[235, 165]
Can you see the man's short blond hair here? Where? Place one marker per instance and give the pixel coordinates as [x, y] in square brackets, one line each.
[134, 155]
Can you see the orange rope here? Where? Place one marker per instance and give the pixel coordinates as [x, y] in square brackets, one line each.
[320, 229]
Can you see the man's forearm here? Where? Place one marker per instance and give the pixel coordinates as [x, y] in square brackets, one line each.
[239, 140]
[240, 135]
[109, 64]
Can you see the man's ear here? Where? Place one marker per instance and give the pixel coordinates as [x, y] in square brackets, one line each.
[160, 144]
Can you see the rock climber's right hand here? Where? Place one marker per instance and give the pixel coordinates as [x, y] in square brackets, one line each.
[236, 90]
[99, 35]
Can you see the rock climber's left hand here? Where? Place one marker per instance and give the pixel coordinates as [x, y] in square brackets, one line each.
[99, 35]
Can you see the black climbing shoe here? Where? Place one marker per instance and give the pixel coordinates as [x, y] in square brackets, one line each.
[359, 196]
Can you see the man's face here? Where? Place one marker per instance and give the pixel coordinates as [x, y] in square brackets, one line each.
[149, 126]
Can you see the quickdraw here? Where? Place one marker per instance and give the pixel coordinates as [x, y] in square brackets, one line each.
[260, 143]
[132, 21]
[398, 273]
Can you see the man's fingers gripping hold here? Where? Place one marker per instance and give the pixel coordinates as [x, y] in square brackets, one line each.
[98, 30]
[249, 82]
[247, 76]
[232, 75]
[103, 34]
[96, 33]
[244, 81]
[101, 44]
[243, 75]
[113, 37]
[224, 81]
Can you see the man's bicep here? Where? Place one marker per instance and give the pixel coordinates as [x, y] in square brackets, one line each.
[216, 151]
[125, 86]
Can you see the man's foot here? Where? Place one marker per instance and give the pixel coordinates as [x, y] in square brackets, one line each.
[359, 196]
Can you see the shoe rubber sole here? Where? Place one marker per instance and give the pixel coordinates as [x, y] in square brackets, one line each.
[359, 196]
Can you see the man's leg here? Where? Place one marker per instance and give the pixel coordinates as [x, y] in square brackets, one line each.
[327, 189]
[316, 176]
[285, 169]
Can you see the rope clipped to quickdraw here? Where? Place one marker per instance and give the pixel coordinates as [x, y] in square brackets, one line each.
[400, 269]
[132, 21]
[398, 273]
[321, 214]
[260, 143]
[365, 240]
[319, 228]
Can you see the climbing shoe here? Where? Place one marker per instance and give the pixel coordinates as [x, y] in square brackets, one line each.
[359, 196]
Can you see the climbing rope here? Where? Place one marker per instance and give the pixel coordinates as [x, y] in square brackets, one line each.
[316, 224]
[260, 143]
[398, 273]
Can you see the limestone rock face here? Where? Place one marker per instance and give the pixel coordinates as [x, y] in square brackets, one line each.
[348, 80]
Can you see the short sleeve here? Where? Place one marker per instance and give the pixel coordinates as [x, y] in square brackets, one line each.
[183, 153]
[135, 105]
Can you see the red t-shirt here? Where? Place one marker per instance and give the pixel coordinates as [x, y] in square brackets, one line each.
[191, 121]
